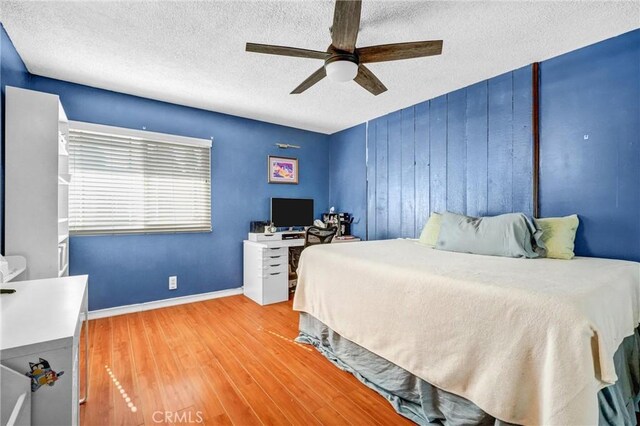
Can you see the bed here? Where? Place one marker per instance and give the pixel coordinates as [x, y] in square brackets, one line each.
[519, 341]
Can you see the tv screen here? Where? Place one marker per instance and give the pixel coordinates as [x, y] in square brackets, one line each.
[288, 212]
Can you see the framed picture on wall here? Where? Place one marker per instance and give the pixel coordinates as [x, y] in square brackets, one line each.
[283, 170]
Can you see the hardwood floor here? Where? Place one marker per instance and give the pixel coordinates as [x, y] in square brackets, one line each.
[223, 361]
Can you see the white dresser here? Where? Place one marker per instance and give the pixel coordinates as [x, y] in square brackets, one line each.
[40, 326]
[266, 271]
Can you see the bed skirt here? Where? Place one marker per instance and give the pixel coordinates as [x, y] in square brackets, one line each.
[423, 403]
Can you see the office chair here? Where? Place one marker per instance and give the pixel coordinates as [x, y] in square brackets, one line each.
[313, 236]
[316, 235]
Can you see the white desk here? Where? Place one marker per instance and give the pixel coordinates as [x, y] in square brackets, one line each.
[266, 266]
[42, 320]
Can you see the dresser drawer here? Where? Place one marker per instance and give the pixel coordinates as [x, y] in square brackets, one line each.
[270, 260]
[270, 268]
[273, 267]
[275, 251]
[275, 288]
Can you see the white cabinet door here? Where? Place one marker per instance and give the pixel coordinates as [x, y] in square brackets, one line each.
[51, 398]
[275, 287]
[16, 398]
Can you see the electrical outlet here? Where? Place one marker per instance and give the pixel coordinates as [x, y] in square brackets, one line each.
[173, 282]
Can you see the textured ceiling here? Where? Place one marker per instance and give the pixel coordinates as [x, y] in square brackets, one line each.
[192, 53]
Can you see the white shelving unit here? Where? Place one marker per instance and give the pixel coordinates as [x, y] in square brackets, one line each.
[37, 182]
[15, 265]
[64, 178]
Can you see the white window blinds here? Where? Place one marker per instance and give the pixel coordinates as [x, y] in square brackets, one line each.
[129, 181]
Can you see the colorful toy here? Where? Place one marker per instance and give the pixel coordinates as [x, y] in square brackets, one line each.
[41, 374]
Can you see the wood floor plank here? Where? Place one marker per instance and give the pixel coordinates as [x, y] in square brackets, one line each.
[329, 416]
[100, 383]
[312, 372]
[261, 403]
[232, 400]
[177, 391]
[151, 395]
[311, 360]
[122, 367]
[352, 388]
[207, 405]
[288, 350]
[277, 363]
[224, 361]
[357, 416]
[286, 401]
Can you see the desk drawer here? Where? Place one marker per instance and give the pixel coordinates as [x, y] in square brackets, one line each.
[275, 251]
[275, 288]
[275, 266]
[271, 260]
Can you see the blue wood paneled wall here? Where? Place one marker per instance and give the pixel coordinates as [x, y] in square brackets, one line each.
[348, 175]
[590, 144]
[469, 152]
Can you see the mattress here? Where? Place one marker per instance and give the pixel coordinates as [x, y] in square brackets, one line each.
[425, 404]
[544, 331]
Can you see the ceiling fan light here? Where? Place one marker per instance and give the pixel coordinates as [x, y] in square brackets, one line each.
[341, 71]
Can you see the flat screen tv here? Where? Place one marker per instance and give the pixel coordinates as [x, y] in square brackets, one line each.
[289, 212]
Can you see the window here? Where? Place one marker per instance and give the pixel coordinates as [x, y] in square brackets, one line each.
[130, 181]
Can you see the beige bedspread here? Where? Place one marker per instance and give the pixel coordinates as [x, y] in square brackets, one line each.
[529, 341]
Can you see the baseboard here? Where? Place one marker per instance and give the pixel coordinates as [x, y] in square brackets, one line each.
[146, 306]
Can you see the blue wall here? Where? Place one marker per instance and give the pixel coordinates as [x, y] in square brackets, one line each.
[348, 175]
[590, 144]
[133, 269]
[129, 269]
[468, 152]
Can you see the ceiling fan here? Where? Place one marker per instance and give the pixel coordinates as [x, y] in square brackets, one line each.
[343, 61]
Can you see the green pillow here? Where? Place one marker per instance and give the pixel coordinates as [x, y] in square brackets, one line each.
[558, 235]
[431, 230]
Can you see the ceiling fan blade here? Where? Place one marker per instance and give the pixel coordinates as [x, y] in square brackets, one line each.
[397, 51]
[369, 81]
[310, 81]
[346, 23]
[286, 51]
